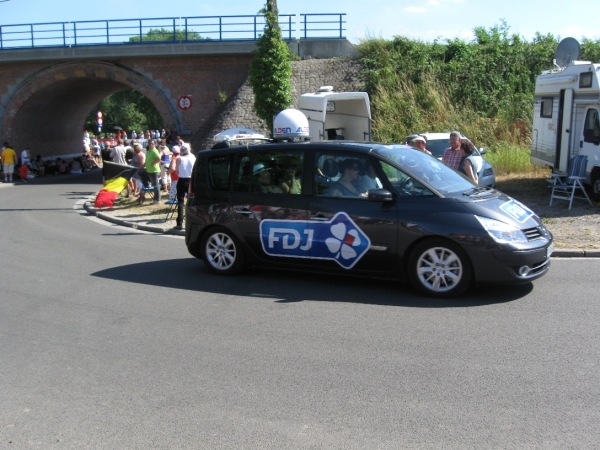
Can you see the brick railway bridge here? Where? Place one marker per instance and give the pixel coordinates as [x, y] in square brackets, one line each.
[46, 92]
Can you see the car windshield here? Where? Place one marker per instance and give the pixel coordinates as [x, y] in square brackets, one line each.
[428, 169]
[437, 147]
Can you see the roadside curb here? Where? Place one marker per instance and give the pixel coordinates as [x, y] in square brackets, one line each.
[575, 253]
[558, 253]
[100, 215]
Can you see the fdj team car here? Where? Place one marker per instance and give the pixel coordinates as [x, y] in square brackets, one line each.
[366, 209]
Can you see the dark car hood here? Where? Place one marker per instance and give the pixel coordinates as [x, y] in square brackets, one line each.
[494, 204]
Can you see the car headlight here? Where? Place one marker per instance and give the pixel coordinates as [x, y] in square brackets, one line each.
[488, 172]
[501, 232]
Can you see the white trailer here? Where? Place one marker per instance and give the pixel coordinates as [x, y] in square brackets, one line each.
[566, 114]
[337, 115]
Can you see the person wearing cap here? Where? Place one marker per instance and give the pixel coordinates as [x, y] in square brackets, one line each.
[262, 177]
[183, 167]
[420, 143]
[452, 154]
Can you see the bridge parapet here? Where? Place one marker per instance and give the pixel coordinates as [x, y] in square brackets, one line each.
[168, 30]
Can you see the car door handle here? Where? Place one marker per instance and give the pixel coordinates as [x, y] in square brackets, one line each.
[319, 218]
[246, 212]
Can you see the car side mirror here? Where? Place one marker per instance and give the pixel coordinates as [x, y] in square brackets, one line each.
[483, 150]
[380, 195]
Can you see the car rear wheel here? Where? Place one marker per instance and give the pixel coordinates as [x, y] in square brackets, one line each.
[439, 268]
[222, 252]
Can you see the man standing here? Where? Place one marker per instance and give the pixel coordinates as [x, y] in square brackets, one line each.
[420, 144]
[8, 158]
[452, 155]
[183, 167]
[117, 154]
[153, 169]
[25, 157]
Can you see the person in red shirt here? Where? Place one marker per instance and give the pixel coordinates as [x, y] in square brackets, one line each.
[452, 154]
[23, 171]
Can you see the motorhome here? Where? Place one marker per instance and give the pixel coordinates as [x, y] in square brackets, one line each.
[337, 115]
[566, 114]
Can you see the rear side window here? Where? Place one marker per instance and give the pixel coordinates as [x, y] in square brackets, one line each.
[219, 172]
[270, 172]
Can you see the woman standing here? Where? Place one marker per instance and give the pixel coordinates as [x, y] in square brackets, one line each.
[468, 165]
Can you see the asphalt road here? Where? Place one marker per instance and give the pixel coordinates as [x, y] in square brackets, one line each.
[117, 339]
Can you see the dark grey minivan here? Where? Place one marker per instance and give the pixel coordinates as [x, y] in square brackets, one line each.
[365, 209]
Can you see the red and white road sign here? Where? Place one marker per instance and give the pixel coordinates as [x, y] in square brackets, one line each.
[184, 102]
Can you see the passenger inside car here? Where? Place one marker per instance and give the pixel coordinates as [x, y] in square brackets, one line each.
[262, 180]
[290, 183]
[369, 179]
[347, 185]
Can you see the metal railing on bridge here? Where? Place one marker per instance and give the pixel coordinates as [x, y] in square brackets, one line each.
[166, 30]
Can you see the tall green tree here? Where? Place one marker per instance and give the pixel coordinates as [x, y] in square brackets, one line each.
[271, 69]
[128, 109]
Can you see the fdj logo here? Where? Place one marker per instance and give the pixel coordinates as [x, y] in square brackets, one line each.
[339, 239]
[517, 210]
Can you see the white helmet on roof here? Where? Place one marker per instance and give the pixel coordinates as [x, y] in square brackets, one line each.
[290, 123]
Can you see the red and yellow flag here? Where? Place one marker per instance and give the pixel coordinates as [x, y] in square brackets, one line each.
[116, 177]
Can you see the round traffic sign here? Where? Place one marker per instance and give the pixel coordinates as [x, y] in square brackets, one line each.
[185, 102]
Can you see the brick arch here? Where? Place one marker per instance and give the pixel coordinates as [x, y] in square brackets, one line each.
[46, 111]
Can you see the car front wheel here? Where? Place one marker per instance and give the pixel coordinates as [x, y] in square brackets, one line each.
[222, 252]
[439, 268]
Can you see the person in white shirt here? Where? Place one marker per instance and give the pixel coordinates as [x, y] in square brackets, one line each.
[25, 157]
[183, 166]
[117, 154]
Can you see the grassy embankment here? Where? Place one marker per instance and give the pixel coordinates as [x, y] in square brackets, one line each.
[483, 88]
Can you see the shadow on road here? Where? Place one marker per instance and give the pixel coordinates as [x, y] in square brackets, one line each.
[288, 287]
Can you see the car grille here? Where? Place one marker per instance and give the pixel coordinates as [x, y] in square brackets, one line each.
[533, 233]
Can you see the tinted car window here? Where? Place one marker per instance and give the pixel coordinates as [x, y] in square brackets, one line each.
[345, 175]
[405, 184]
[219, 171]
[270, 172]
[438, 175]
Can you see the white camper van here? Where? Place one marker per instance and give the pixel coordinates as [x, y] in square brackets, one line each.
[337, 115]
[566, 115]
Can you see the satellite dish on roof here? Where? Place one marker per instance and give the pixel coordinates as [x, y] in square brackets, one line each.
[567, 52]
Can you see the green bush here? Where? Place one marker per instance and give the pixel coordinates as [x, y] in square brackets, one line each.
[484, 88]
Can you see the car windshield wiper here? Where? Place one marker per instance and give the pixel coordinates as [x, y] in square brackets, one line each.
[476, 190]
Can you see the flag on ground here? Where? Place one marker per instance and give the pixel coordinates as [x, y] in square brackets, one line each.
[116, 177]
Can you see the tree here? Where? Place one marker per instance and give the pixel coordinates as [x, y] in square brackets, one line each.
[271, 69]
[164, 34]
[128, 109]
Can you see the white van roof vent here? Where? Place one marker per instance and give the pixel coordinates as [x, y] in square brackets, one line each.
[325, 89]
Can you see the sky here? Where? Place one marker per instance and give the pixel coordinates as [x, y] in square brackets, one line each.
[425, 20]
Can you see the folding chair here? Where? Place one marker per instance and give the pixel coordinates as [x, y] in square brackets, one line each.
[172, 203]
[565, 185]
[146, 190]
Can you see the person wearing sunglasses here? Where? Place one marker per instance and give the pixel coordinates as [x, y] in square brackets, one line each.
[346, 185]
